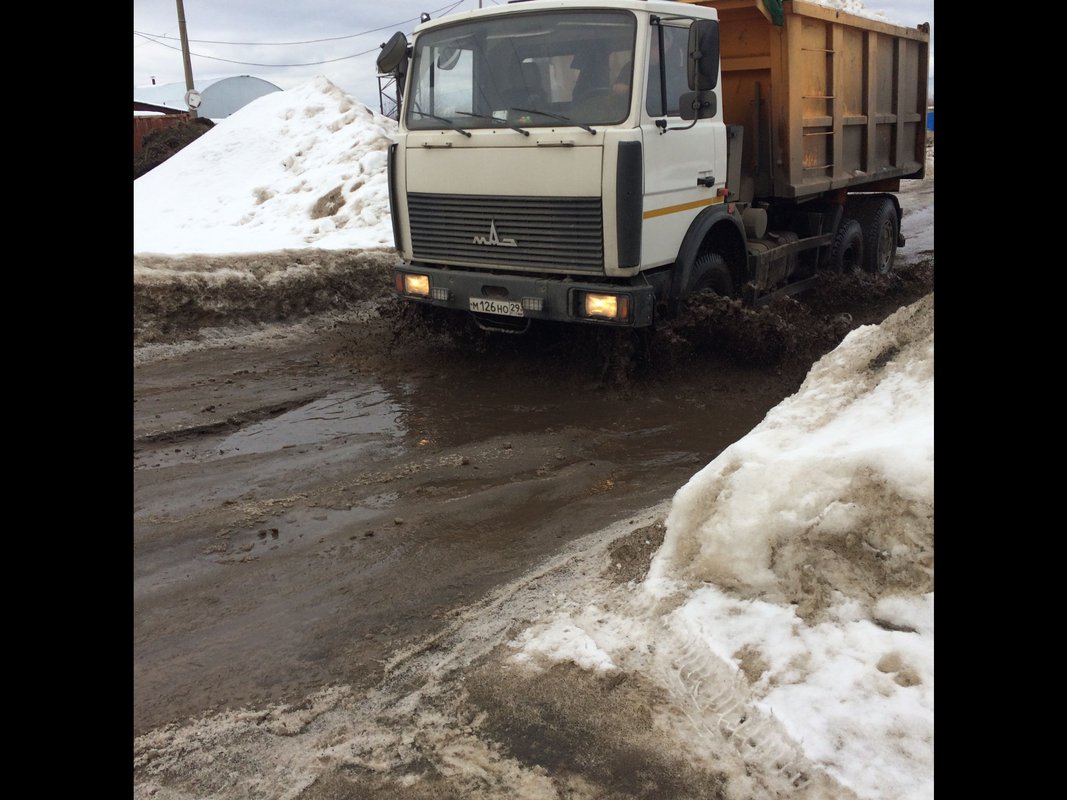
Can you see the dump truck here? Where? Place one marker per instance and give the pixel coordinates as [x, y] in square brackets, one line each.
[600, 161]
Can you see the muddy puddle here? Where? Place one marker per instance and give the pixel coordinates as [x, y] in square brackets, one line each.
[359, 417]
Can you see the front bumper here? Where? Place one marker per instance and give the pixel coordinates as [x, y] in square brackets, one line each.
[554, 299]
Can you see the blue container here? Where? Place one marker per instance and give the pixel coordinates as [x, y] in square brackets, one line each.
[929, 120]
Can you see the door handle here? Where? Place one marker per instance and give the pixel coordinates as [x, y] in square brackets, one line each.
[707, 180]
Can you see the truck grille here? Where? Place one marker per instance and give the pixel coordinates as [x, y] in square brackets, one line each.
[550, 233]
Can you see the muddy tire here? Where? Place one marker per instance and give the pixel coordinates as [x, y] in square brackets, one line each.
[847, 253]
[716, 275]
[878, 218]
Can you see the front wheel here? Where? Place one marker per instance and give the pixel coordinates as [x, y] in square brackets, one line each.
[714, 274]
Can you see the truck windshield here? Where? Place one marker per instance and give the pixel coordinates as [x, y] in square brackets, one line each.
[524, 69]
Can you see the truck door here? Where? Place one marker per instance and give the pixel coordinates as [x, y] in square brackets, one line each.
[679, 159]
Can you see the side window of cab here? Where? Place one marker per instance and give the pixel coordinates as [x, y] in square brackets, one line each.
[674, 56]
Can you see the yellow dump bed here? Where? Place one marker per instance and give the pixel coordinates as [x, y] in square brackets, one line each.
[828, 100]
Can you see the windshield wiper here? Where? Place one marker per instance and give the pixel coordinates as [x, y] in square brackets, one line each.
[494, 119]
[445, 120]
[581, 125]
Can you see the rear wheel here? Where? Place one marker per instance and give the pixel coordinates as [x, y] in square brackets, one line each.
[846, 255]
[878, 218]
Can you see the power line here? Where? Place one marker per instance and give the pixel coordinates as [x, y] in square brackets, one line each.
[156, 38]
[288, 44]
[443, 11]
[142, 44]
[254, 64]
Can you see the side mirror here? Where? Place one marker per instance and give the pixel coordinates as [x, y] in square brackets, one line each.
[394, 55]
[703, 54]
[698, 105]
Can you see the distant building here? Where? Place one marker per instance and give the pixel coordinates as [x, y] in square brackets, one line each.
[220, 97]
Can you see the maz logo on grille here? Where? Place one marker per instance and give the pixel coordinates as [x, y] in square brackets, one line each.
[494, 239]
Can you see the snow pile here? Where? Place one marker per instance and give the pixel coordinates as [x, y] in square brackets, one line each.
[301, 168]
[834, 488]
[803, 554]
[793, 591]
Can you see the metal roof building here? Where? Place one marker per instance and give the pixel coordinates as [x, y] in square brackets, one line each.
[221, 97]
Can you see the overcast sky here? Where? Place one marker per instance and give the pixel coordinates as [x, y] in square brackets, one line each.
[289, 43]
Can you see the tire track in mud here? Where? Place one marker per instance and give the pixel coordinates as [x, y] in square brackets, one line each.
[715, 699]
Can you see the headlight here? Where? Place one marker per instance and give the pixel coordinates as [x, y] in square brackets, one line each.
[606, 306]
[418, 285]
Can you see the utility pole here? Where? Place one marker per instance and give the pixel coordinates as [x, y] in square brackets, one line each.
[192, 99]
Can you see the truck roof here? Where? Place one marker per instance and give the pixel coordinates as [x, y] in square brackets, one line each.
[665, 7]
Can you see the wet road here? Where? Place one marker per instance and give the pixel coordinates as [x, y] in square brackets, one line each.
[305, 506]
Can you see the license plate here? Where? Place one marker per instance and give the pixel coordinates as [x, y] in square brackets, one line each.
[507, 308]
